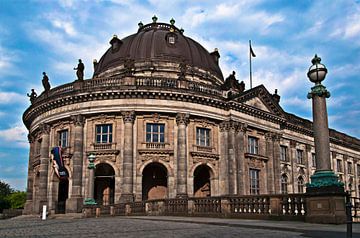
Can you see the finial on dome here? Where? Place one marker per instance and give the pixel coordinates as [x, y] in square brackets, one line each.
[172, 21]
[115, 36]
[181, 30]
[140, 24]
[216, 49]
[154, 19]
[94, 61]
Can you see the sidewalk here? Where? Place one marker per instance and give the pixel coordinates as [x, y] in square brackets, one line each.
[309, 229]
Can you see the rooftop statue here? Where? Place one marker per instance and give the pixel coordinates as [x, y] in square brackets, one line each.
[32, 95]
[80, 70]
[45, 82]
[231, 83]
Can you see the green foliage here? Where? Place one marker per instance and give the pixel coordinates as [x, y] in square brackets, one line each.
[5, 189]
[9, 198]
[17, 199]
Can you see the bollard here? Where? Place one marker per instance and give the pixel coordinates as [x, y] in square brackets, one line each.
[44, 213]
[348, 216]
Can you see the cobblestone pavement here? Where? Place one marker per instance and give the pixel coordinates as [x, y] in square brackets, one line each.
[127, 227]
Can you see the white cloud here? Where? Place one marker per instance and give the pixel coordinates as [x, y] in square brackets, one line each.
[15, 136]
[67, 26]
[11, 98]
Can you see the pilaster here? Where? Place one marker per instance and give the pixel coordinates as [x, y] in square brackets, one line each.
[182, 120]
[128, 183]
[75, 202]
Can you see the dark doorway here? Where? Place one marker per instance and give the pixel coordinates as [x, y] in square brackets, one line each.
[104, 188]
[63, 194]
[202, 186]
[154, 182]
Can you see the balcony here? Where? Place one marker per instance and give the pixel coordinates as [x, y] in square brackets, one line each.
[155, 148]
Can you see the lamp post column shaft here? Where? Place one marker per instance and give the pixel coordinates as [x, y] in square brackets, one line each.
[321, 133]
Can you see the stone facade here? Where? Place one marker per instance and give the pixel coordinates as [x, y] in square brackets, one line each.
[166, 128]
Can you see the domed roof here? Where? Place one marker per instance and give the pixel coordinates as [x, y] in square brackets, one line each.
[158, 42]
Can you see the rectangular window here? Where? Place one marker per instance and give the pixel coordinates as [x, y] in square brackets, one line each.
[338, 165]
[104, 133]
[253, 145]
[63, 138]
[358, 170]
[202, 136]
[313, 159]
[300, 156]
[300, 185]
[254, 181]
[155, 133]
[349, 167]
[283, 153]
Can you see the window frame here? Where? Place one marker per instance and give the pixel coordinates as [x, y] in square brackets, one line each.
[349, 167]
[101, 134]
[206, 135]
[283, 153]
[300, 185]
[339, 165]
[60, 138]
[299, 156]
[159, 135]
[284, 184]
[313, 160]
[254, 176]
[253, 145]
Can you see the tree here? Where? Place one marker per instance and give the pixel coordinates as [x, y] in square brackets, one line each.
[17, 199]
[5, 191]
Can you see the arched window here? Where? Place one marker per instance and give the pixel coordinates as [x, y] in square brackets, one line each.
[300, 184]
[284, 184]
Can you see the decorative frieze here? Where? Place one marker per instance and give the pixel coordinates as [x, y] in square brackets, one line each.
[182, 119]
[128, 116]
[44, 128]
[78, 120]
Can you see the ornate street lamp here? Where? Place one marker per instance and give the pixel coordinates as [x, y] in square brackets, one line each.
[324, 179]
[90, 200]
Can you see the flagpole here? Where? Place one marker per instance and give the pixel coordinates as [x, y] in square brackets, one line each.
[250, 64]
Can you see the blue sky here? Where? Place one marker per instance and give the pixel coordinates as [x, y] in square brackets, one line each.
[37, 36]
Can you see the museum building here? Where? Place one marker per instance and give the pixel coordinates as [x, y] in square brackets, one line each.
[162, 122]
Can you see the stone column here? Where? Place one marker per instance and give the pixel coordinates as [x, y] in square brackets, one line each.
[75, 202]
[127, 194]
[224, 159]
[270, 163]
[28, 207]
[326, 196]
[90, 197]
[44, 167]
[232, 162]
[276, 158]
[182, 120]
[240, 159]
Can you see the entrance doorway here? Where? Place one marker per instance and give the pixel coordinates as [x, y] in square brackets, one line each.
[154, 182]
[202, 186]
[104, 187]
[63, 193]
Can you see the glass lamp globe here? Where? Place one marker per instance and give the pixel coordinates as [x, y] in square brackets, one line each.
[317, 72]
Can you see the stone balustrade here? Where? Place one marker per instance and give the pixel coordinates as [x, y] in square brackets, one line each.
[286, 207]
[117, 83]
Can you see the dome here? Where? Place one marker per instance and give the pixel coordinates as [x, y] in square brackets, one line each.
[156, 42]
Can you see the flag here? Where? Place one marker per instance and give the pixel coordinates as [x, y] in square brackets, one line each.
[251, 50]
[58, 163]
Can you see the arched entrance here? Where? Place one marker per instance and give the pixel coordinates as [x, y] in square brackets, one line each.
[154, 182]
[63, 193]
[202, 187]
[104, 187]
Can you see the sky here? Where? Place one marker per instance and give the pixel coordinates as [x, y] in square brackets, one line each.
[50, 36]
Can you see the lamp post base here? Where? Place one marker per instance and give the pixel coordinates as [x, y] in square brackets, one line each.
[89, 201]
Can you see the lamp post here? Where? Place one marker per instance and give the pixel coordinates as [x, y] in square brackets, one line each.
[90, 199]
[324, 179]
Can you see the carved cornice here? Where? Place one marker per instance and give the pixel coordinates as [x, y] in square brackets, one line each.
[224, 126]
[128, 116]
[196, 154]
[78, 120]
[155, 151]
[44, 128]
[31, 138]
[103, 152]
[182, 119]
